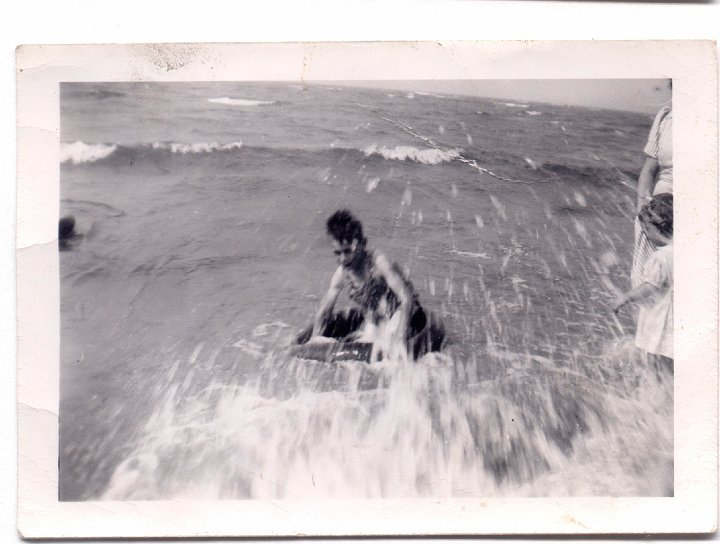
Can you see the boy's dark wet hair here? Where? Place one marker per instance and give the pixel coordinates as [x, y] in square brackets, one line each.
[343, 227]
[659, 213]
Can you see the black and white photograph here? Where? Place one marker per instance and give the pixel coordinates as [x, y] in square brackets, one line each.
[291, 290]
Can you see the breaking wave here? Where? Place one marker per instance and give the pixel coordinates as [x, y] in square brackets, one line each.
[81, 152]
[201, 147]
[408, 153]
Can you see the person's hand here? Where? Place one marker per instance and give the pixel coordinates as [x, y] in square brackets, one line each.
[619, 302]
[641, 202]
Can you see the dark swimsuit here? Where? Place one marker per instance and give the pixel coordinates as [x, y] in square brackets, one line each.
[369, 295]
[422, 336]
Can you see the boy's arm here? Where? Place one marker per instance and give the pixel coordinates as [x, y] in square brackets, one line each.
[399, 287]
[328, 302]
[641, 292]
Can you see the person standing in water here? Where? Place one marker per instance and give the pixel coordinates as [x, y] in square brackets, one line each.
[654, 334]
[656, 177]
[389, 314]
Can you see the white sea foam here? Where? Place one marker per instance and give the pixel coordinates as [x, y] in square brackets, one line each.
[80, 152]
[227, 101]
[471, 254]
[425, 93]
[513, 105]
[529, 112]
[409, 153]
[194, 148]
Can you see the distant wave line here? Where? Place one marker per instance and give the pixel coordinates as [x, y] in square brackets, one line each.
[83, 153]
[227, 101]
[513, 105]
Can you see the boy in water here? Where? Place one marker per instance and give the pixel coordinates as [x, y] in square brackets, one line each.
[654, 333]
[389, 316]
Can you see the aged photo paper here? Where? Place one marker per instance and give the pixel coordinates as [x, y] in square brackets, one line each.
[339, 289]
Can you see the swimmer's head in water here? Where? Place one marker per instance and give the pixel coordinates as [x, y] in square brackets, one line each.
[66, 227]
[344, 228]
[657, 215]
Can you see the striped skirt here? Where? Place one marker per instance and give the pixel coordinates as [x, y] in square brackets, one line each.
[644, 248]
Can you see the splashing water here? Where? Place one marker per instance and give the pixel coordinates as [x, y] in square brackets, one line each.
[434, 428]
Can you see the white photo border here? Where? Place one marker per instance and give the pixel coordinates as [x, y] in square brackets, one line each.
[692, 65]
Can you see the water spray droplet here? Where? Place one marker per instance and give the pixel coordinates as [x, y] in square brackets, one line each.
[580, 199]
[609, 259]
[499, 207]
[372, 184]
[533, 165]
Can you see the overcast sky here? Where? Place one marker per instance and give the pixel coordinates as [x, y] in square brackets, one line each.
[640, 95]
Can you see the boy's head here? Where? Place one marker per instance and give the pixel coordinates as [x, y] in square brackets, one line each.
[344, 228]
[658, 214]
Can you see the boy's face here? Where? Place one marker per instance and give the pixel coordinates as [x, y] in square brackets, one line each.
[345, 252]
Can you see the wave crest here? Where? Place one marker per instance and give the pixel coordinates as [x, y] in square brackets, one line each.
[408, 153]
[80, 152]
[227, 101]
[198, 147]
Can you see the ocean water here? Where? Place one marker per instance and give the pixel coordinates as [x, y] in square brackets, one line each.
[201, 251]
